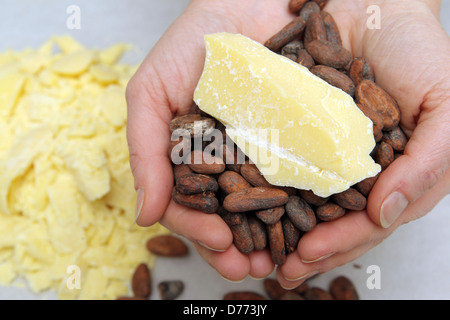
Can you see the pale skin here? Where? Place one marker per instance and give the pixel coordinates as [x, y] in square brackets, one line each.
[409, 55]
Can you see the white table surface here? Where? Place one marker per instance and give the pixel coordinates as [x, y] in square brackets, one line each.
[414, 261]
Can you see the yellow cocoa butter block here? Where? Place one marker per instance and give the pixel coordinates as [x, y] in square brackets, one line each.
[298, 130]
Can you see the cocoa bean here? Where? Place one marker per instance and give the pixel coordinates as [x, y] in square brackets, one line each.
[383, 154]
[312, 198]
[300, 213]
[341, 288]
[316, 293]
[252, 174]
[195, 124]
[257, 198]
[307, 9]
[335, 78]
[258, 232]
[290, 32]
[395, 138]
[243, 295]
[291, 234]
[180, 170]
[296, 5]
[270, 216]
[373, 96]
[276, 243]
[192, 183]
[360, 70]
[292, 48]
[273, 289]
[305, 59]
[315, 28]
[167, 245]
[350, 199]
[291, 296]
[366, 185]
[329, 53]
[329, 211]
[202, 162]
[376, 120]
[238, 224]
[141, 281]
[302, 288]
[321, 3]
[206, 202]
[230, 181]
[333, 34]
[170, 289]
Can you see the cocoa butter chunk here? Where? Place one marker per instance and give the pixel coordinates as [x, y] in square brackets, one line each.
[257, 198]
[269, 103]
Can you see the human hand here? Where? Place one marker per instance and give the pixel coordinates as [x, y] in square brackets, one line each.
[163, 87]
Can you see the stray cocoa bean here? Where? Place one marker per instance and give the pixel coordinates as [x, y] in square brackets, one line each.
[350, 199]
[341, 288]
[167, 245]
[141, 281]
[276, 243]
[273, 289]
[316, 293]
[329, 211]
[300, 213]
[170, 289]
[252, 199]
[243, 295]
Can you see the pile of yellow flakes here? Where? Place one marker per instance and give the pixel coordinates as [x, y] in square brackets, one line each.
[67, 199]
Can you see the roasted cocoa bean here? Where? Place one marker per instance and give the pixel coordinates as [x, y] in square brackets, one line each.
[243, 295]
[290, 32]
[291, 234]
[335, 78]
[360, 70]
[206, 201]
[302, 288]
[252, 199]
[258, 232]
[296, 5]
[366, 185]
[300, 213]
[312, 198]
[202, 162]
[307, 9]
[271, 215]
[276, 243]
[170, 289]
[180, 170]
[230, 181]
[341, 288]
[252, 174]
[396, 139]
[329, 211]
[329, 53]
[350, 199]
[192, 183]
[273, 289]
[238, 224]
[167, 245]
[291, 296]
[377, 121]
[383, 154]
[292, 49]
[141, 281]
[195, 124]
[333, 34]
[315, 28]
[316, 293]
[373, 96]
[305, 59]
[321, 3]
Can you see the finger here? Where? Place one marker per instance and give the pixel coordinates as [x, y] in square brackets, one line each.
[148, 139]
[261, 264]
[230, 264]
[424, 163]
[208, 230]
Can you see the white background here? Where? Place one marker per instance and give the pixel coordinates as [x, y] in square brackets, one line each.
[414, 261]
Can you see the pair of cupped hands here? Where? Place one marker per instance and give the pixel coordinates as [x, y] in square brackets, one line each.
[410, 57]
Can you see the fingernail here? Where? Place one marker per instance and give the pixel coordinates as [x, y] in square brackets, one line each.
[208, 247]
[139, 203]
[304, 276]
[392, 208]
[319, 258]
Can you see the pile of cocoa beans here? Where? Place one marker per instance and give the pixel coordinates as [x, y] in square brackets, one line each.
[261, 215]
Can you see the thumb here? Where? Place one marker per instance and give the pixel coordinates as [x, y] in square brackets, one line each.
[425, 161]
